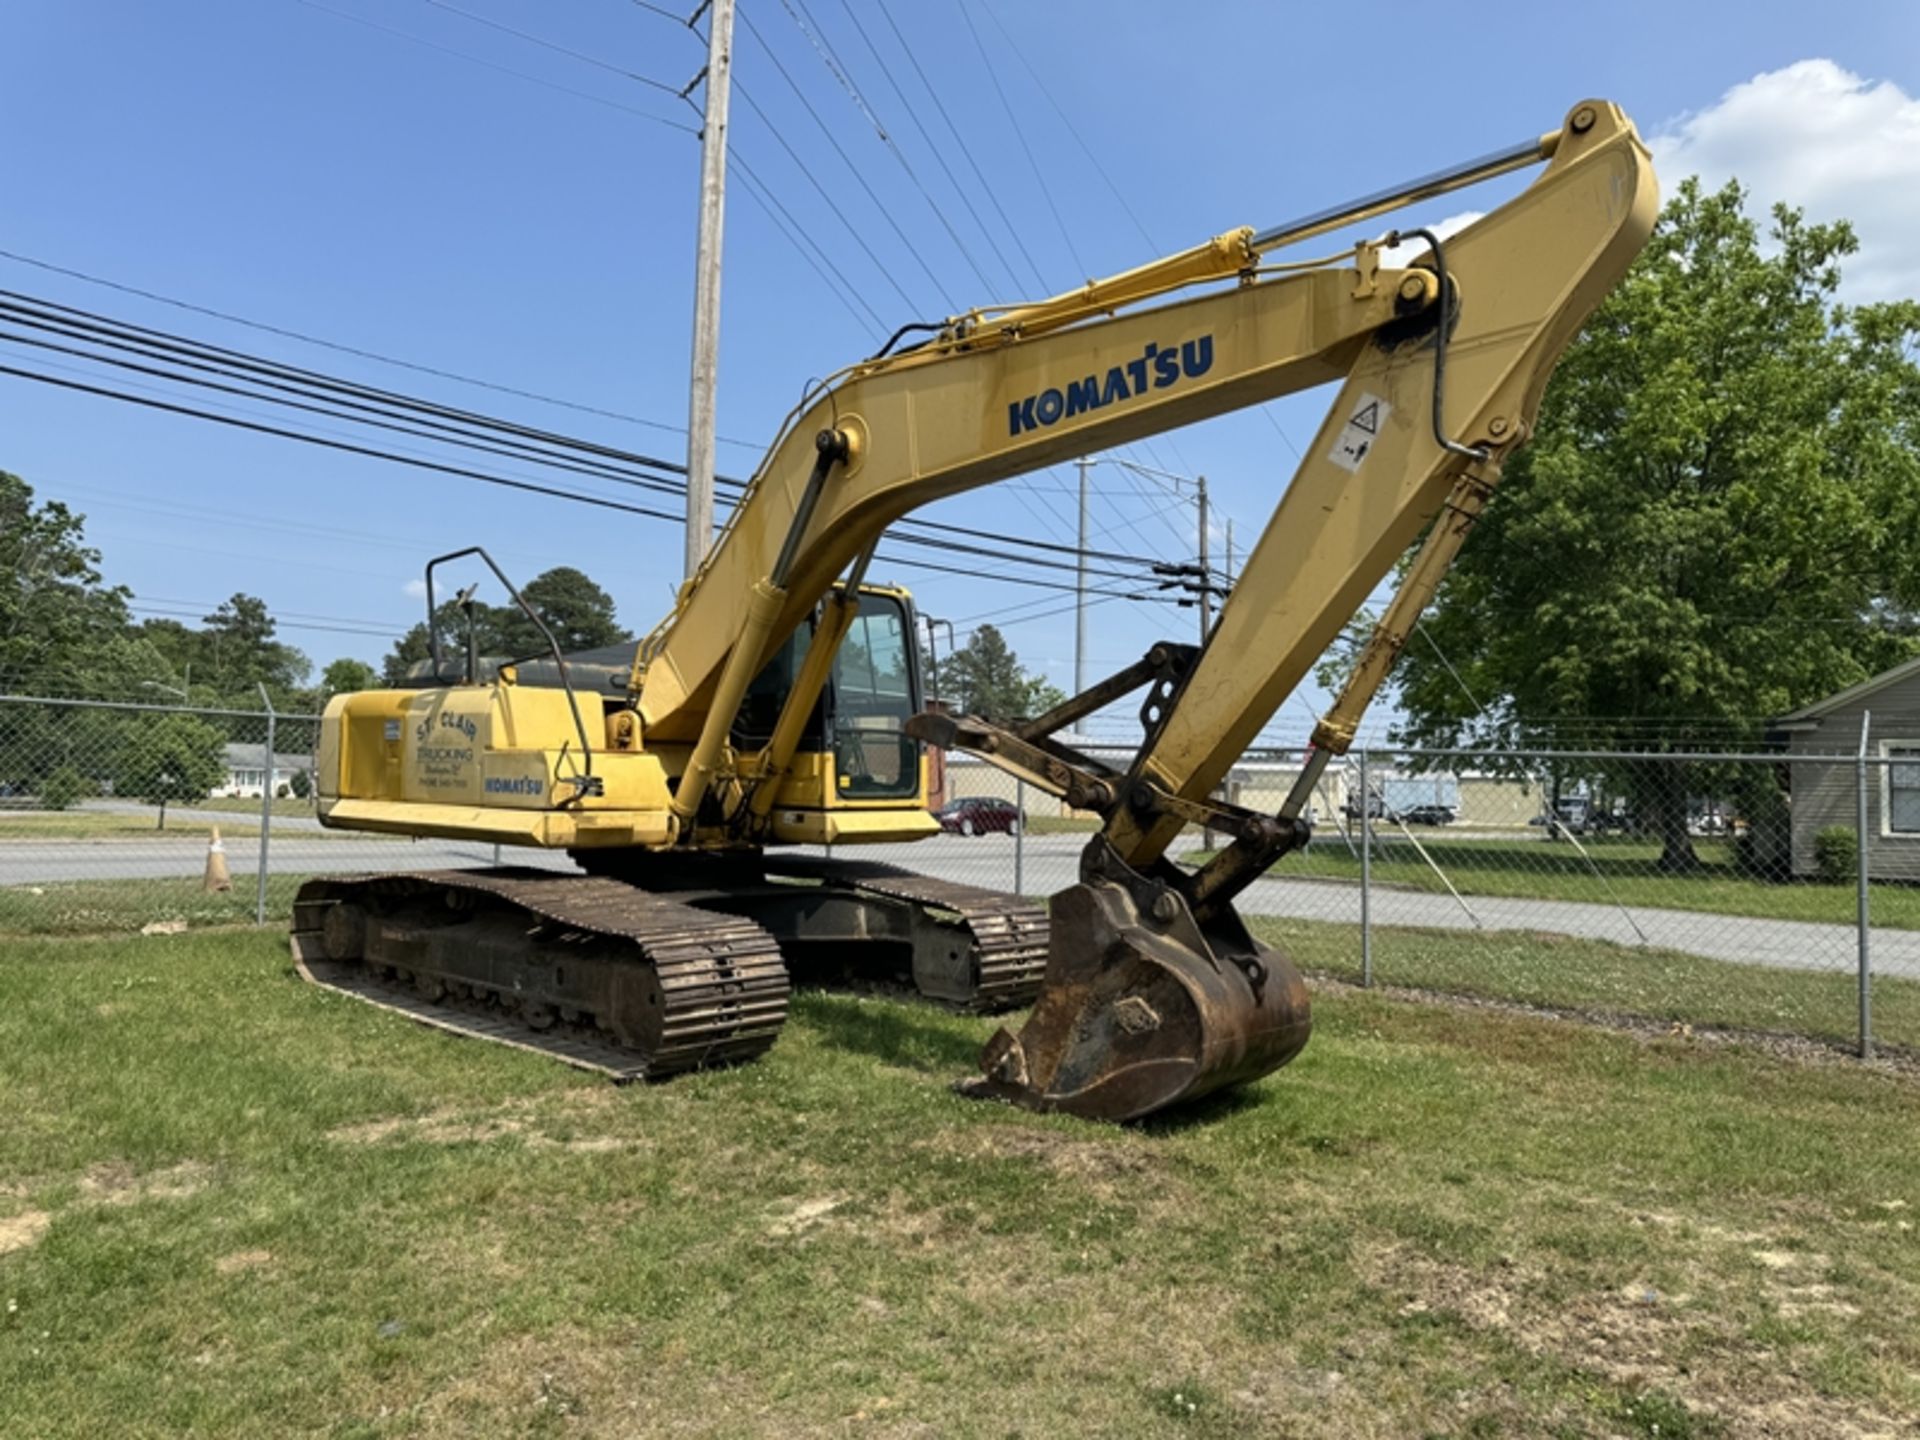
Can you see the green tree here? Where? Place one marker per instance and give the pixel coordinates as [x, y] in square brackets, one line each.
[64, 788]
[61, 625]
[170, 757]
[238, 653]
[450, 622]
[1714, 522]
[578, 612]
[347, 675]
[985, 678]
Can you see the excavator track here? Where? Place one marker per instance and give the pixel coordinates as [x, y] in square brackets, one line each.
[591, 971]
[1008, 932]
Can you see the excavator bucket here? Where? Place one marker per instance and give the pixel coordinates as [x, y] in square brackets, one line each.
[1139, 1009]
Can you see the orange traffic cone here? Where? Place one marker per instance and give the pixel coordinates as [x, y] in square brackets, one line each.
[216, 877]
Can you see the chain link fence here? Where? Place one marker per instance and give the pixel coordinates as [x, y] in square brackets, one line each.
[120, 817]
[1768, 892]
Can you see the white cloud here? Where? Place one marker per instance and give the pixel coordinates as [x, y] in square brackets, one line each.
[416, 588]
[1822, 138]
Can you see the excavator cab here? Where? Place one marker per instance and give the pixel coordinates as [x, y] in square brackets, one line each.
[858, 726]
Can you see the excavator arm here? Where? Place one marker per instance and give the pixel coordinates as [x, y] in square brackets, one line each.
[1154, 991]
[1001, 393]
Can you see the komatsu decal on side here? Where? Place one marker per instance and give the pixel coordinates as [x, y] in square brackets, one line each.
[1157, 368]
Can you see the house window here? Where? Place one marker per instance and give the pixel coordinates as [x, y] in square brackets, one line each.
[1903, 788]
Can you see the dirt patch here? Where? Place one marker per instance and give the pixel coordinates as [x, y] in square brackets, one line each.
[573, 1381]
[117, 1183]
[1788, 1260]
[1634, 1335]
[796, 1217]
[1068, 1156]
[521, 1121]
[439, 1129]
[241, 1260]
[17, 1232]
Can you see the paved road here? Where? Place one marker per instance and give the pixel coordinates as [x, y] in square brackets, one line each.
[39, 862]
[1048, 863]
[1051, 863]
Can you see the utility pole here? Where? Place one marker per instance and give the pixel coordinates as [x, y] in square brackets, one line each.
[1080, 590]
[1229, 569]
[933, 655]
[706, 285]
[1206, 575]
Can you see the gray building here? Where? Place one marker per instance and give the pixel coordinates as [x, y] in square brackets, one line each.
[1826, 792]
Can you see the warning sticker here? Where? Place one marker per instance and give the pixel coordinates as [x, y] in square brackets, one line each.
[1356, 438]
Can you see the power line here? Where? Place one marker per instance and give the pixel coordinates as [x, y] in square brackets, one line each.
[483, 477]
[208, 608]
[356, 351]
[932, 94]
[663, 487]
[1067, 120]
[503, 69]
[679, 125]
[859, 176]
[814, 180]
[1020, 134]
[966, 196]
[154, 612]
[558, 49]
[443, 424]
[512, 453]
[260, 427]
[1053, 516]
[810, 28]
[844, 290]
[663, 11]
[102, 330]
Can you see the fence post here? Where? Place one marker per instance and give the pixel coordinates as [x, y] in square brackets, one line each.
[1863, 846]
[266, 816]
[1366, 875]
[1019, 836]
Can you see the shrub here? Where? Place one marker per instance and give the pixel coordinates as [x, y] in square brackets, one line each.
[64, 788]
[1836, 854]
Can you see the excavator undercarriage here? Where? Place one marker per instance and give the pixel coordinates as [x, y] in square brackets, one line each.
[650, 967]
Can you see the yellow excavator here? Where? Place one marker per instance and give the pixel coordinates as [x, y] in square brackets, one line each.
[779, 703]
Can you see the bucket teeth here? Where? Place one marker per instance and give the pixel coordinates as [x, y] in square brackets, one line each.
[1139, 1011]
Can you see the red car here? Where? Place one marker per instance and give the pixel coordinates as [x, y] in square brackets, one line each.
[978, 815]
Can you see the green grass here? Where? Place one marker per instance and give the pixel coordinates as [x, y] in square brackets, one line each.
[109, 907]
[1599, 976]
[290, 805]
[1622, 871]
[236, 1205]
[103, 825]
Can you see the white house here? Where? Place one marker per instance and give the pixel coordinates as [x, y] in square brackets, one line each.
[247, 775]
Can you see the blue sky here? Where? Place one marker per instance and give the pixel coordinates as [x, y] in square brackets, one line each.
[395, 189]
